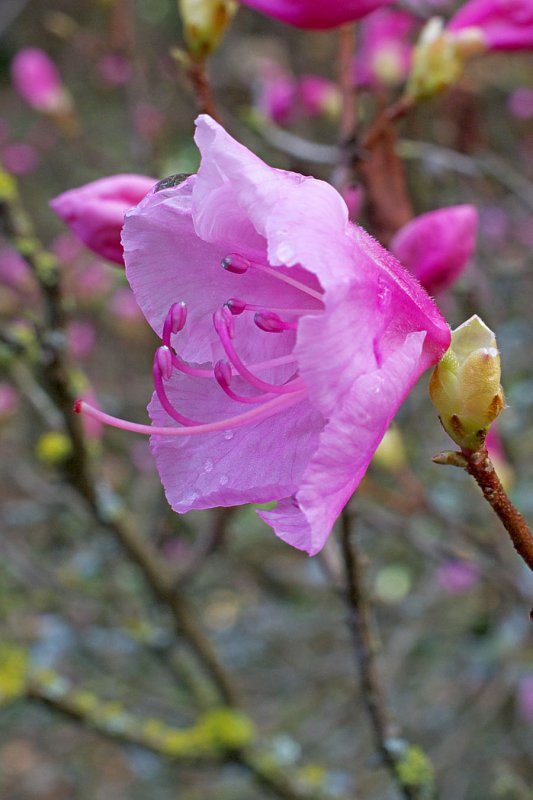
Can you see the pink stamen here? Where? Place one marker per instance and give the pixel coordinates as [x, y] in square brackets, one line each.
[163, 368]
[239, 265]
[270, 322]
[223, 377]
[174, 321]
[237, 306]
[268, 409]
[220, 320]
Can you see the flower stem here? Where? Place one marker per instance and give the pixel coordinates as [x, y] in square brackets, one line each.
[479, 465]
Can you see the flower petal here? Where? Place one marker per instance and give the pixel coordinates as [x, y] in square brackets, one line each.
[255, 464]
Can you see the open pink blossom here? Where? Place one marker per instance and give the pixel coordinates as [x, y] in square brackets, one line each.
[437, 246]
[319, 14]
[504, 24]
[37, 80]
[384, 53]
[278, 374]
[95, 212]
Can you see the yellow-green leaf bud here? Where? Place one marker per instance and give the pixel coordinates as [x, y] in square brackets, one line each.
[439, 57]
[204, 24]
[465, 385]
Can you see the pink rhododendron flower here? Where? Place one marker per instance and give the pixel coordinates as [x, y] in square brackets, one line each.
[384, 53]
[279, 374]
[437, 246]
[318, 14]
[36, 79]
[19, 158]
[521, 103]
[9, 401]
[95, 212]
[504, 24]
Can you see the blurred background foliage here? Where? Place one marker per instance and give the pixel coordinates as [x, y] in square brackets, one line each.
[450, 599]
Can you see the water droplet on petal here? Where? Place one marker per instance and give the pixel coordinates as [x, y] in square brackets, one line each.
[223, 480]
[228, 435]
[208, 465]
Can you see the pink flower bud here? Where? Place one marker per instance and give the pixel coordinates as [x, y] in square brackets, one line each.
[504, 24]
[319, 97]
[317, 14]
[275, 93]
[384, 55]
[95, 212]
[37, 81]
[437, 246]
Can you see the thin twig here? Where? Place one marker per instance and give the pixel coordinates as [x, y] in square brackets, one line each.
[481, 468]
[385, 734]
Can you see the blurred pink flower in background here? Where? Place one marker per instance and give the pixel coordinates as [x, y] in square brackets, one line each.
[37, 80]
[95, 212]
[19, 158]
[437, 246]
[520, 103]
[318, 96]
[319, 14]
[384, 53]
[81, 338]
[504, 24]
[14, 271]
[354, 197]
[114, 69]
[456, 577]
[90, 282]
[311, 327]
[124, 306]
[275, 93]
[9, 401]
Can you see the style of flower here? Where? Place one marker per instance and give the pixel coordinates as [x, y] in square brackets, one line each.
[438, 245]
[95, 212]
[279, 373]
[503, 24]
[316, 13]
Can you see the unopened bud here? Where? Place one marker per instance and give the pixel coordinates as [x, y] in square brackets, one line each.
[390, 454]
[204, 24]
[465, 386]
[439, 57]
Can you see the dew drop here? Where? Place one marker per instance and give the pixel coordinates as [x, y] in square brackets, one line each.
[223, 480]
[208, 465]
[228, 435]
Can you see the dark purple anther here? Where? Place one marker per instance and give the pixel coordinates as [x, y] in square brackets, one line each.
[164, 361]
[236, 305]
[236, 263]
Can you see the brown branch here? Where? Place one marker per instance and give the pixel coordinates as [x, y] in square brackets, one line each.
[481, 468]
[197, 74]
[384, 732]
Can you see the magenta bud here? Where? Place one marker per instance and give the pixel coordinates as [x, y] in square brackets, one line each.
[236, 263]
[270, 322]
[235, 305]
[164, 361]
[437, 246]
[95, 212]
[223, 373]
[37, 80]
